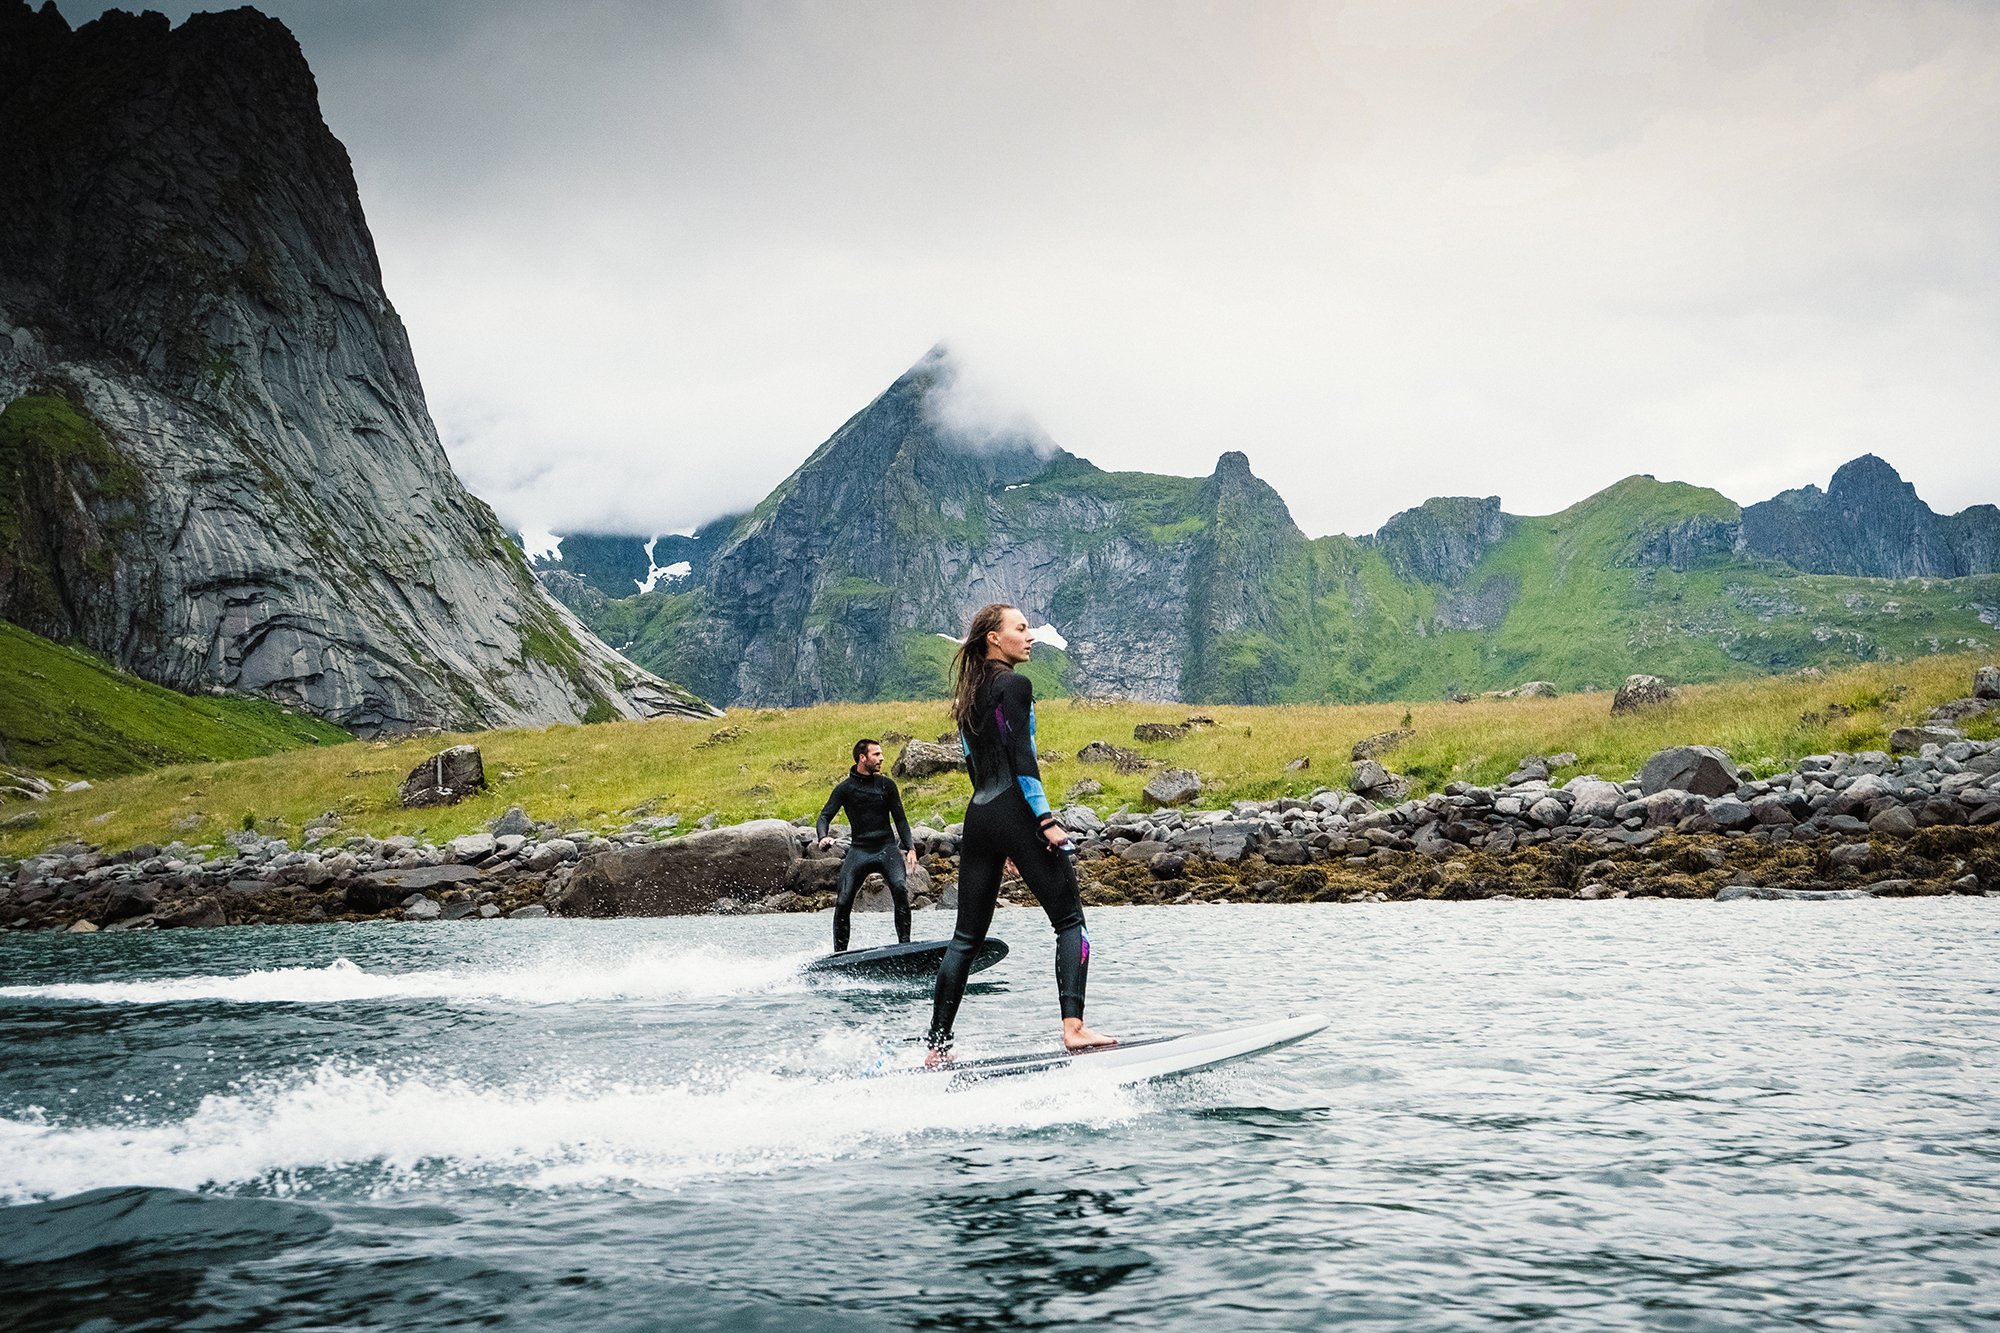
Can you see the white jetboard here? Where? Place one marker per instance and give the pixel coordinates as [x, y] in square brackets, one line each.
[1143, 1059]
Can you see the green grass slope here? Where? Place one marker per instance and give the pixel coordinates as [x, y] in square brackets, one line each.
[782, 762]
[66, 714]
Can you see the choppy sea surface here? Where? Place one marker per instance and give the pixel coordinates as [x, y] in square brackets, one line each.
[1585, 1115]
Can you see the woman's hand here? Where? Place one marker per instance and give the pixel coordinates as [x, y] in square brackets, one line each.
[1056, 834]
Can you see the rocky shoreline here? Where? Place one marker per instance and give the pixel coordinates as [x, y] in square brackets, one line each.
[1689, 826]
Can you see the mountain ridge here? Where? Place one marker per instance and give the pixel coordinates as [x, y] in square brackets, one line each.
[1205, 589]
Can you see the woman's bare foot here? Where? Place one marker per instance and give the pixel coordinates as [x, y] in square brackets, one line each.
[938, 1057]
[1077, 1037]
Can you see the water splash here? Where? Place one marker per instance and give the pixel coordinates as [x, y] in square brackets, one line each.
[646, 974]
[386, 1132]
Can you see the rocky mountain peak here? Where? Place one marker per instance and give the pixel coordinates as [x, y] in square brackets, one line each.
[1441, 539]
[1870, 521]
[216, 464]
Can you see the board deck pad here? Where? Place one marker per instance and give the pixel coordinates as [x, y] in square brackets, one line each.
[916, 961]
[1145, 1058]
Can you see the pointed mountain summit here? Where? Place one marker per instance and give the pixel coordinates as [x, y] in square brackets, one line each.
[926, 505]
[1870, 521]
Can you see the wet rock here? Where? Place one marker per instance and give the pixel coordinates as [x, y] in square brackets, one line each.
[1853, 855]
[1740, 892]
[421, 908]
[1640, 691]
[1731, 814]
[1895, 822]
[1290, 852]
[921, 759]
[83, 927]
[1226, 840]
[130, 900]
[446, 778]
[531, 911]
[384, 889]
[200, 912]
[688, 875]
[548, 855]
[1769, 809]
[1594, 891]
[1701, 769]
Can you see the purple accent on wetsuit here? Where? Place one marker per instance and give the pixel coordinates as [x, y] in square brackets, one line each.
[1086, 948]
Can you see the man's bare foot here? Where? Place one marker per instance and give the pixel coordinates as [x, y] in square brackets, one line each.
[1077, 1037]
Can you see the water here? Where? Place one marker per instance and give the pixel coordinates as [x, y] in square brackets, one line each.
[1626, 1114]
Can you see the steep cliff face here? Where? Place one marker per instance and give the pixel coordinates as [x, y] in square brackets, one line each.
[1870, 521]
[1442, 539]
[216, 465]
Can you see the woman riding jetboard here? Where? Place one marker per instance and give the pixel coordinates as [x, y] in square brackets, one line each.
[1008, 819]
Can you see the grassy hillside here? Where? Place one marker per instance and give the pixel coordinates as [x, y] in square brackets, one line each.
[782, 762]
[66, 714]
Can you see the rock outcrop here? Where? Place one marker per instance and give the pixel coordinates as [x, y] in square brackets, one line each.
[686, 875]
[1870, 521]
[1441, 540]
[216, 464]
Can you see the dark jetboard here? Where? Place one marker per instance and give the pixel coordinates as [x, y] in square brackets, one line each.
[917, 961]
[1146, 1058]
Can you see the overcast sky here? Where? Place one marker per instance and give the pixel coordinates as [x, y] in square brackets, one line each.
[651, 255]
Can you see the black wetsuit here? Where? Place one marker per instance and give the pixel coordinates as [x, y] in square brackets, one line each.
[1005, 821]
[872, 803]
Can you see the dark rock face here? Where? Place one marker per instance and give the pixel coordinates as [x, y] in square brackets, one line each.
[1442, 539]
[1640, 691]
[1870, 521]
[690, 874]
[216, 464]
[1691, 542]
[446, 778]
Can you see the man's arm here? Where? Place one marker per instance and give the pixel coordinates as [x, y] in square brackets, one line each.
[833, 803]
[902, 822]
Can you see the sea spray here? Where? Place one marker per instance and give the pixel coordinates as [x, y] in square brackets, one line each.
[383, 1132]
[645, 973]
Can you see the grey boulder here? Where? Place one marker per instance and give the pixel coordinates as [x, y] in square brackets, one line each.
[687, 875]
[1174, 786]
[1701, 769]
[446, 778]
[921, 759]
